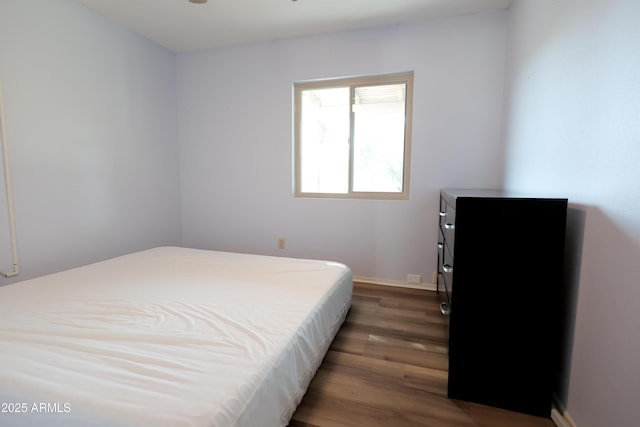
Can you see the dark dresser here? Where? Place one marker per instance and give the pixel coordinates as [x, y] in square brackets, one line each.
[500, 263]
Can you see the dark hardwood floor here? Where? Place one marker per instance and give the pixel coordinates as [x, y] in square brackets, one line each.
[388, 367]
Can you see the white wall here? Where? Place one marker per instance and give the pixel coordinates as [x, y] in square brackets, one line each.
[92, 129]
[574, 130]
[236, 141]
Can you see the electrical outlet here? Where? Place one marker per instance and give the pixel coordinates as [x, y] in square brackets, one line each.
[414, 278]
[281, 243]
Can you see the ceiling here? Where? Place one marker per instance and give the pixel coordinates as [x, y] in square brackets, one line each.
[183, 27]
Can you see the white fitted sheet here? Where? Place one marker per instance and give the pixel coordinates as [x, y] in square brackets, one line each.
[168, 337]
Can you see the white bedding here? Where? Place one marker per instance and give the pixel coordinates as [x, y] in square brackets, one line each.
[168, 337]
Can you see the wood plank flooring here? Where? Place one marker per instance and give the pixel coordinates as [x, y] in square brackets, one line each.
[388, 368]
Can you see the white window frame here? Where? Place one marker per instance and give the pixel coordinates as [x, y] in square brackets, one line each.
[386, 79]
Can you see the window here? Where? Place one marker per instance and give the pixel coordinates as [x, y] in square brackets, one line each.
[352, 137]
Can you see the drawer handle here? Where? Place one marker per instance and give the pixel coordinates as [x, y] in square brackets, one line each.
[447, 268]
[442, 213]
[445, 308]
[449, 226]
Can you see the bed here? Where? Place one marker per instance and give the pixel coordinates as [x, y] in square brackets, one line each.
[169, 336]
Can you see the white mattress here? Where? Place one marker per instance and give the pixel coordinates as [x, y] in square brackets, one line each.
[168, 337]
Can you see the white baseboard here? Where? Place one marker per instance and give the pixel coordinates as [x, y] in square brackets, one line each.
[560, 416]
[562, 419]
[396, 283]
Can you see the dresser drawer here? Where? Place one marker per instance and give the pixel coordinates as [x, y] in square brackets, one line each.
[446, 241]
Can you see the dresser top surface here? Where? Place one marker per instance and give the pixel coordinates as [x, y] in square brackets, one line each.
[455, 193]
[492, 193]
